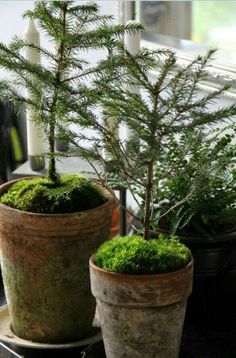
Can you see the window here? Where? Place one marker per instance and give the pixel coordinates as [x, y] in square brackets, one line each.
[192, 27]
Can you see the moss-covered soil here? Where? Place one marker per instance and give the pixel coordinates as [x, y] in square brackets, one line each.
[41, 195]
[134, 255]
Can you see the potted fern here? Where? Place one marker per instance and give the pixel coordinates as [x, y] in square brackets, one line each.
[205, 222]
[165, 116]
[45, 223]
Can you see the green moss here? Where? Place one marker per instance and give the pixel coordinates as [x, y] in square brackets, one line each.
[41, 195]
[134, 255]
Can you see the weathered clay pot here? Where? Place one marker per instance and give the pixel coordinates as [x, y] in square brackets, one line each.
[44, 260]
[115, 228]
[141, 315]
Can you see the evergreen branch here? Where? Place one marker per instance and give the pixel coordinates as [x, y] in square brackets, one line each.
[40, 49]
[10, 94]
[136, 71]
[203, 102]
[168, 65]
[102, 36]
[45, 15]
[12, 61]
[81, 9]
[84, 73]
[95, 19]
[203, 118]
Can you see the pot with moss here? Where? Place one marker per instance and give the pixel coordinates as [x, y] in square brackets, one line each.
[178, 160]
[141, 288]
[50, 227]
[46, 241]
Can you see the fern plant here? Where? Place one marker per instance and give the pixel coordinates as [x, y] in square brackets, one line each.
[74, 29]
[170, 125]
[209, 175]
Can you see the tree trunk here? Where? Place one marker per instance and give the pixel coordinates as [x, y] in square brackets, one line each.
[148, 200]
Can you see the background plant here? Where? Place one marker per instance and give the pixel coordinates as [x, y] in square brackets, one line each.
[208, 173]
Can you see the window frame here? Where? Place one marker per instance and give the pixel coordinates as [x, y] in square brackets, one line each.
[218, 74]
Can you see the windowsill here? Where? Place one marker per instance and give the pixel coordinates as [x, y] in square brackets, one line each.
[218, 74]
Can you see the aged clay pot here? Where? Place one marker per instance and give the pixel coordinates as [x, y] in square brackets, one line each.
[44, 261]
[141, 315]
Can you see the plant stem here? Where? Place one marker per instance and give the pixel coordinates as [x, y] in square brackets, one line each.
[52, 162]
[147, 214]
[52, 174]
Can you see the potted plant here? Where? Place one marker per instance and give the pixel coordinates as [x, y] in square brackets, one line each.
[141, 289]
[205, 223]
[50, 226]
[166, 117]
[171, 130]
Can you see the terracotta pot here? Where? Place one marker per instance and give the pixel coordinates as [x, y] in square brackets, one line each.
[115, 225]
[141, 315]
[44, 260]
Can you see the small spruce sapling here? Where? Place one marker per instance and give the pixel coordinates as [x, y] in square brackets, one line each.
[165, 110]
[61, 78]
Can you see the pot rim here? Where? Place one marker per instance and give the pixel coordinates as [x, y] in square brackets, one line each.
[107, 194]
[117, 275]
[197, 238]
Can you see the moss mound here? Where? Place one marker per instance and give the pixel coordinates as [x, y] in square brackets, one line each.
[40, 195]
[134, 255]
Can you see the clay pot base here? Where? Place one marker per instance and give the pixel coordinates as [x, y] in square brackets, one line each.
[8, 336]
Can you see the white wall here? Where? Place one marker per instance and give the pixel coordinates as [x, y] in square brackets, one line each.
[12, 22]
